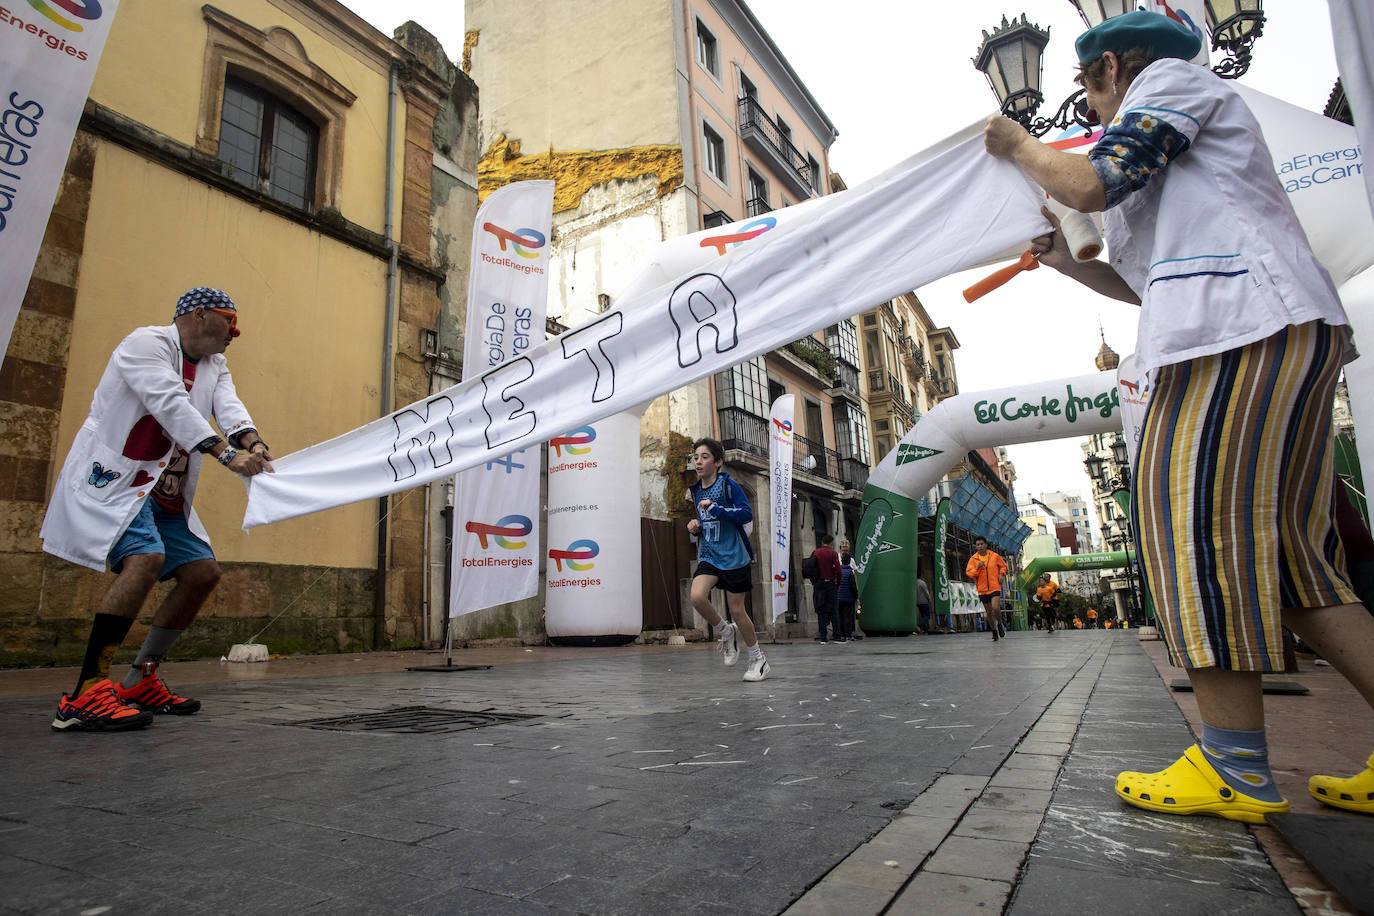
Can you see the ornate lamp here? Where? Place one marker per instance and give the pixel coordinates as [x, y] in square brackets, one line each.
[1119, 450]
[1097, 468]
[1234, 26]
[1010, 59]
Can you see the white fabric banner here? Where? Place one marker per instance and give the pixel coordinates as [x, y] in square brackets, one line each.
[593, 584]
[48, 55]
[936, 214]
[1352, 27]
[496, 506]
[780, 479]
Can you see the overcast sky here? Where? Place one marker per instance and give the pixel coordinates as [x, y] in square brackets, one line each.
[895, 76]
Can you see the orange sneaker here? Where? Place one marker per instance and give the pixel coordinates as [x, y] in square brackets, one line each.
[151, 694]
[98, 710]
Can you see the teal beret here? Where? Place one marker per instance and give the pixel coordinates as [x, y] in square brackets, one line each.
[1154, 32]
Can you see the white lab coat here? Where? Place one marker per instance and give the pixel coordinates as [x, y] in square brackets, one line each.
[1211, 244]
[142, 377]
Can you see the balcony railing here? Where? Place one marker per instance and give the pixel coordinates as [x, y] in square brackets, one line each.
[715, 218]
[847, 377]
[853, 474]
[761, 133]
[815, 354]
[756, 206]
[827, 460]
[743, 431]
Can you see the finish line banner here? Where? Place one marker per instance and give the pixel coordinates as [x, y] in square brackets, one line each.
[496, 506]
[939, 212]
[48, 56]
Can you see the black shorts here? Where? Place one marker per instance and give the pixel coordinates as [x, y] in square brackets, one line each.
[735, 581]
[987, 599]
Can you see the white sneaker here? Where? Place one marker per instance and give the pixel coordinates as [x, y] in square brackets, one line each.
[729, 645]
[758, 669]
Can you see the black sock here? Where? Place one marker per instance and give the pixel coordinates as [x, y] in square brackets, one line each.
[107, 633]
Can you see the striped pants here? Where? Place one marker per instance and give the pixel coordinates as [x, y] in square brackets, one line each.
[1233, 496]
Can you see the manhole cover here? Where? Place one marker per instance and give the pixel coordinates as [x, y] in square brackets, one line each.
[414, 720]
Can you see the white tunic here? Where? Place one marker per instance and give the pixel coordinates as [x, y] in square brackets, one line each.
[1211, 244]
[101, 487]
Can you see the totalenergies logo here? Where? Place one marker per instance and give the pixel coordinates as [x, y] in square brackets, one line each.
[88, 10]
[577, 442]
[525, 242]
[781, 578]
[784, 428]
[503, 532]
[578, 556]
[750, 231]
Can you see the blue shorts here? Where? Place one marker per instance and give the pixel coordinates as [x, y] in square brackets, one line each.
[155, 531]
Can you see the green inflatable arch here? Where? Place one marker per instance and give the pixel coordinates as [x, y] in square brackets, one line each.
[1113, 560]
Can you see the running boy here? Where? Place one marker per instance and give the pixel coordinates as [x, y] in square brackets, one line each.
[723, 555]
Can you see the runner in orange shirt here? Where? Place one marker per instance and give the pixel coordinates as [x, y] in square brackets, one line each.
[986, 569]
[1092, 618]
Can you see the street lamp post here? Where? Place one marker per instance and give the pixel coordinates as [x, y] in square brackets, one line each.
[1010, 57]
[1123, 526]
[1116, 480]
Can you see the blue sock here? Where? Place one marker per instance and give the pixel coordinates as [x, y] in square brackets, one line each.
[1241, 758]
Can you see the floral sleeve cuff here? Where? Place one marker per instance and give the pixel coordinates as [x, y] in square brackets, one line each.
[1135, 147]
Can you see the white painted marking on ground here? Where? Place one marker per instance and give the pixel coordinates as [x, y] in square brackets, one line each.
[848, 743]
[764, 728]
[664, 750]
[793, 782]
[710, 763]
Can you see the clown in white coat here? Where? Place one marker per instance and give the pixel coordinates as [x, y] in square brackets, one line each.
[124, 498]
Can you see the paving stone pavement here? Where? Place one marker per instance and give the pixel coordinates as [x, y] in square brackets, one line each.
[927, 775]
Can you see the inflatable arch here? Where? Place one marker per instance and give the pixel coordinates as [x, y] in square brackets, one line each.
[885, 546]
[1115, 559]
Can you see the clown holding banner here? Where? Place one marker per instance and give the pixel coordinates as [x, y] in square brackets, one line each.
[1245, 337]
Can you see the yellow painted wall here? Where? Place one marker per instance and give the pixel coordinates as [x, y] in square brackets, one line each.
[153, 64]
[308, 365]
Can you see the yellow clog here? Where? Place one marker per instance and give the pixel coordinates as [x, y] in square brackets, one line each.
[1191, 786]
[1353, 794]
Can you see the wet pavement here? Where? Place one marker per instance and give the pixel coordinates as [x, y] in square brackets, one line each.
[942, 774]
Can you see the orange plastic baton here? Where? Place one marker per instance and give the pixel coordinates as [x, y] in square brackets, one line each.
[998, 277]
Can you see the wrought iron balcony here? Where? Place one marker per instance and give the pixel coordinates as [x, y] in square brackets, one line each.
[847, 377]
[756, 206]
[853, 474]
[715, 218]
[762, 135]
[743, 431]
[827, 459]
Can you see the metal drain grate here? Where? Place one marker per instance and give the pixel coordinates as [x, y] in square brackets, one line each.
[415, 720]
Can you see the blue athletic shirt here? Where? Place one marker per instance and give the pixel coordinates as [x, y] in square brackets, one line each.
[721, 541]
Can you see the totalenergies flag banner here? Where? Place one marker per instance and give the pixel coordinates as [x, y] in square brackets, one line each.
[48, 54]
[780, 480]
[496, 504]
[592, 576]
[937, 213]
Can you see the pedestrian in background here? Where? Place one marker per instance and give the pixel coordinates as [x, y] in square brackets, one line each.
[846, 594]
[923, 607]
[824, 586]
